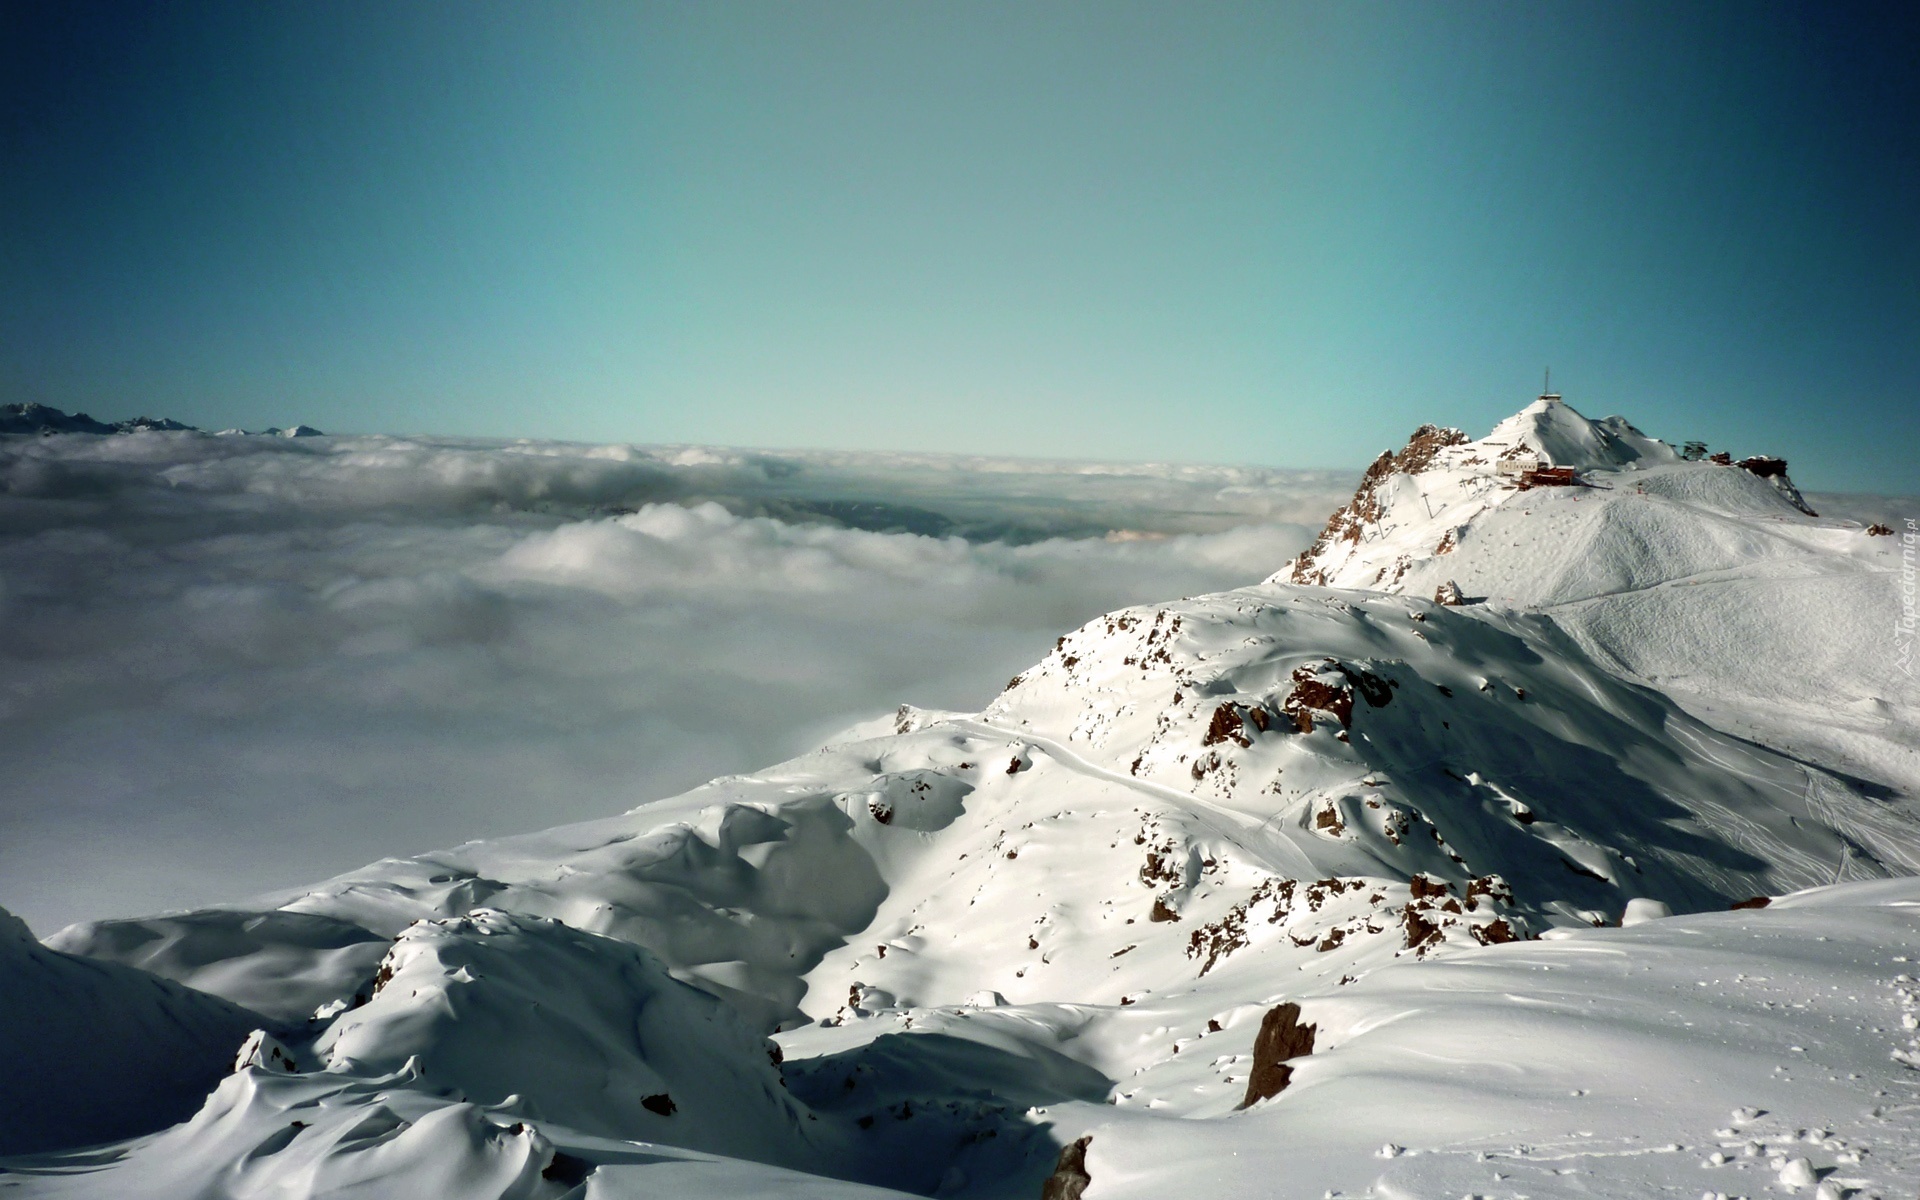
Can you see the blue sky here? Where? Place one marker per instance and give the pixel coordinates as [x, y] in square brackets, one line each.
[1275, 233]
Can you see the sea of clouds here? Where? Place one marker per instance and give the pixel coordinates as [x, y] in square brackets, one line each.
[236, 663]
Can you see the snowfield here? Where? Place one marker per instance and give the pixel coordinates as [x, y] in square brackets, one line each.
[1599, 878]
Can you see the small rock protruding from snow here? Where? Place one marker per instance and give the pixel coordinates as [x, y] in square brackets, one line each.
[264, 1051]
[1070, 1178]
[1448, 594]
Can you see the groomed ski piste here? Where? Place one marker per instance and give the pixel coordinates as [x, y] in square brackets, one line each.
[1546, 829]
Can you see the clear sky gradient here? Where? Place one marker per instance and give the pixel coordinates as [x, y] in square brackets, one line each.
[1277, 233]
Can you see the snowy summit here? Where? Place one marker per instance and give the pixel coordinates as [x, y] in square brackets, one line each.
[1545, 829]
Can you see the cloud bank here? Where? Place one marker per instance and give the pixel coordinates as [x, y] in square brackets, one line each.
[229, 664]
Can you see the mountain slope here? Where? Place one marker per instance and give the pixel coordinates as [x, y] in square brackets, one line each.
[93, 1051]
[981, 937]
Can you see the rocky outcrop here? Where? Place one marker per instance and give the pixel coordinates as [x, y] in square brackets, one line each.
[1069, 1179]
[1347, 522]
[1282, 1038]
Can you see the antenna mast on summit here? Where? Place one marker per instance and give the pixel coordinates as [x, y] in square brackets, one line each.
[1546, 387]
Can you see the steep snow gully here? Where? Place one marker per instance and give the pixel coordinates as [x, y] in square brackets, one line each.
[1546, 829]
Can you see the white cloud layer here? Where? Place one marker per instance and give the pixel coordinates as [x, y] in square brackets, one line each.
[231, 664]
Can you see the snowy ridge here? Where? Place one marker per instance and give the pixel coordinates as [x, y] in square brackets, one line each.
[1449, 836]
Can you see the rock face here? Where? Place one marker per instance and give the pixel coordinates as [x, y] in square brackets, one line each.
[1069, 1179]
[1282, 1038]
[1350, 523]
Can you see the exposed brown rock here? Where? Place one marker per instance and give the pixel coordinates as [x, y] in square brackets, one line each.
[660, 1103]
[1448, 594]
[1350, 520]
[1419, 930]
[1069, 1178]
[1492, 887]
[1162, 911]
[1424, 446]
[1314, 692]
[1493, 933]
[1227, 725]
[1878, 530]
[1162, 866]
[1282, 1037]
[1755, 902]
[1311, 694]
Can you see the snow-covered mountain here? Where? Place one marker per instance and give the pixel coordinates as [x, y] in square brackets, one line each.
[43, 421]
[1709, 579]
[1313, 887]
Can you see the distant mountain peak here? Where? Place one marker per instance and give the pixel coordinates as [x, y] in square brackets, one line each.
[43, 420]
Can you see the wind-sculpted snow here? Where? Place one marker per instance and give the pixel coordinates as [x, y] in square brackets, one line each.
[218, 648]
[284, 962]
[590, 1033]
